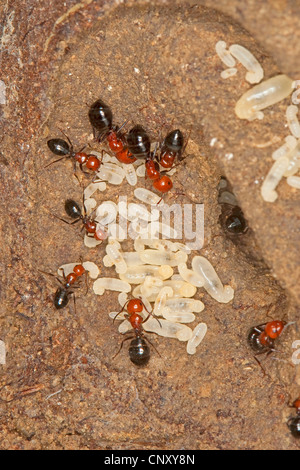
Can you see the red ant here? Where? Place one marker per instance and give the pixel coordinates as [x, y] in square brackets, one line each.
[261, 338]
[101, 118]
[61, 296]
[294, 421]
[139, 351]
[66, 150]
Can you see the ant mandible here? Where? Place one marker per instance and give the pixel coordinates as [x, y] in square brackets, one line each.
[101, 119]
[139, 351]
[66, 150]
[294, 421]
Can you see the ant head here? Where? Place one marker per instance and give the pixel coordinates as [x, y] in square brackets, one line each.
[274, 328]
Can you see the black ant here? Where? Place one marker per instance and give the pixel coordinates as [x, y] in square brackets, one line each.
[65, 150]
[233, 220]
[138, 142]
[101, 119]
[62, 294]
[171, 148]
[89, 224]
[294, 421]
[139, 351]
[261, 338]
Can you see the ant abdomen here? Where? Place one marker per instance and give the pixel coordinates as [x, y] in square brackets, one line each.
[139, 351]
[59, 147]
[72, 209]
[61, 298]
[100, 116]
[138, 142]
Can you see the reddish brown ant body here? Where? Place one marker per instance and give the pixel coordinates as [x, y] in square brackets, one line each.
[139, 351]
[101, 119]
[66, 150]
[294, 421]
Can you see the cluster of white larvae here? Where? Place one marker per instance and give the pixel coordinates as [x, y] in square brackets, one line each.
[259, 97]
[148, 272]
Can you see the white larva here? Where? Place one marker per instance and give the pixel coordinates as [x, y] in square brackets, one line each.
[246, 58]
[91, 242]
[178, 317]
[294, 160]
[132, 258]
[111, 173]
[198, 334]
[261, 96]
[151, 285]
[273, 178]
[168, 329]
[224, 54]
[137, 274]
[156, 228]
[89, 205]
[227, 198]
[185, 305]
[107, 262]
[190, 276]
[148, 197]
[180, 289]
[122, 298]
[292, 120]
[117, 258]
[290, 144]
[106, 213]
[130, 174]
[158, 257]
[138, 211]
[161, 299]
[212, 282]
[141, 170]
[295, 99]
[89, 266]
[293, 181]
[227, 73]
[110, 283]
[93, 187]
[116, 231]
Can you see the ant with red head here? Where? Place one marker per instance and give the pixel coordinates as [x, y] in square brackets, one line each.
[101, 119]
[66, 150]
[62, 294]
[74, 211]
[294, 421]
[139, 351]
[261, 338]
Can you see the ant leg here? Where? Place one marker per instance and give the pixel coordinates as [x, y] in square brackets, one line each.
[53, 275]
[125, 339]
[67, 137]
[122, 310]
[147, 339]
[58, 160]
[150, 313]
[259, 363]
